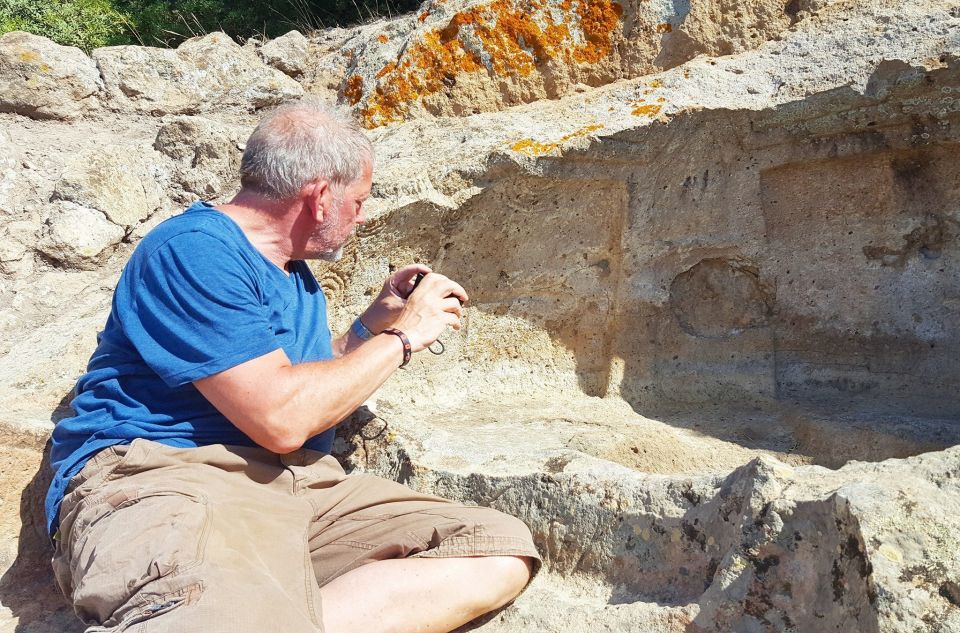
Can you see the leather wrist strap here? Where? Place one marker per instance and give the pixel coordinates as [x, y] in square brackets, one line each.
[407, 348]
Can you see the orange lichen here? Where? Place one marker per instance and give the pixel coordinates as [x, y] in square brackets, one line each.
[353, 89]
[666, 27]
[514, 44]
[386, 69]
[646, 110]
[661, 99]
[383, 39]
[598, 19]
[423, 16]
[531, 147]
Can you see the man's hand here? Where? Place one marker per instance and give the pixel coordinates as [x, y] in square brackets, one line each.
[389, 304]
[435, 304]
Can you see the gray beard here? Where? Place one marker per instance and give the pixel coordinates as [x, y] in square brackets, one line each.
[332, 256]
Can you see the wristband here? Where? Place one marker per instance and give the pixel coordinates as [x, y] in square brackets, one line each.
[407, 348]
[361, 331]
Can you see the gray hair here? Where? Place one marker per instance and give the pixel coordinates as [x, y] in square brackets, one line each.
[300, 142]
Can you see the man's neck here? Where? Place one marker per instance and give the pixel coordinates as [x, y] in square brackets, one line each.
[265, 223]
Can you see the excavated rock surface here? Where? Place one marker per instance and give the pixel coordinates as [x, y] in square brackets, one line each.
[712, 252]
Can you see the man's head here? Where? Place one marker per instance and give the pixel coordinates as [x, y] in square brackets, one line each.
[315, 161]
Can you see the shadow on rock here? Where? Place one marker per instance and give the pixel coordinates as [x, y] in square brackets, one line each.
[28, 588]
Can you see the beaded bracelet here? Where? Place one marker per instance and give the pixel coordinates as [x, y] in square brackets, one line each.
[407, 348]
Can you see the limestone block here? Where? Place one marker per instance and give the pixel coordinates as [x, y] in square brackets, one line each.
[117, 180]
[76, 236]
[287, 53]
[43, 80]
[204, 73]
[206, 153]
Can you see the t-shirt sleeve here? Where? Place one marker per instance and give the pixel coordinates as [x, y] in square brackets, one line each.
[193, 308]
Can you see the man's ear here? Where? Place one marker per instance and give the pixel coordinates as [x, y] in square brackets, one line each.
[317, 196]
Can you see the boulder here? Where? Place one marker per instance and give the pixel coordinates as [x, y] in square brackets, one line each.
[206, 154]
[204, 73]
[117, 180]
[43, 80]
[76, 236]
[287, 53]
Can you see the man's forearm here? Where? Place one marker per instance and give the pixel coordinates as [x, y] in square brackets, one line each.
[316, 396]
[280, 405]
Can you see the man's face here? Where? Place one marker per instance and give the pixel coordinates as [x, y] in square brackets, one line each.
[328, 238]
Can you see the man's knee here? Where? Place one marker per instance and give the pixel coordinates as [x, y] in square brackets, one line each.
[506, 577]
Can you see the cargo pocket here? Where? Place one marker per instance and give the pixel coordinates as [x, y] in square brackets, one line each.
[136, 556]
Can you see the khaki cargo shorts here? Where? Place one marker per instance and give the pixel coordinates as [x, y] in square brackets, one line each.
[226, 538]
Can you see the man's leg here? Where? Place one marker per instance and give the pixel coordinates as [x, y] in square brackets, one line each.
[388, 558]
[194, 540]
[425, 595]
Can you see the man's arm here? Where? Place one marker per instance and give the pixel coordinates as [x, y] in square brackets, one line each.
[280, 405]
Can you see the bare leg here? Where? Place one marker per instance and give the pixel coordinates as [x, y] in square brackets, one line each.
[422, 595]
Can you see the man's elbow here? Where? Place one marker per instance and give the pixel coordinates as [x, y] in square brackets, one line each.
[283, 436]
[279, 436]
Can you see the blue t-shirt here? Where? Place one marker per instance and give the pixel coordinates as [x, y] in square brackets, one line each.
[196, 298]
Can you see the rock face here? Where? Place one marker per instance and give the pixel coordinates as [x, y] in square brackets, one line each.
[203, 74]
[44, 80]
[465, 57]
[710, 353]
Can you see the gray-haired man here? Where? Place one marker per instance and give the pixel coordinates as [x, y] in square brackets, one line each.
[194, 490]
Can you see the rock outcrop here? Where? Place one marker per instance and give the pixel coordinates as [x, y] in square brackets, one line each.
[710, 353]
[202, 74]
[41, 79]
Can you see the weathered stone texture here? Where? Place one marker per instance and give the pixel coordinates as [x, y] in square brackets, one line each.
[287, 53]
[76, 235]
[44, 80]
[117, 180]
[206, 155]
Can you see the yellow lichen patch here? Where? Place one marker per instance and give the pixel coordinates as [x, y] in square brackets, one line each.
[353, 89]
[646, 110]
[535, 148]
[666, 27]
[515, 37]
[656, 83]
[28, 56]
[661, 99]
[383, 39]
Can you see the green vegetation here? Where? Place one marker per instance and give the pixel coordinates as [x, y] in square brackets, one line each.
[92, 23]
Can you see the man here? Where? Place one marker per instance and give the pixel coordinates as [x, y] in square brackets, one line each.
[194, 490]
